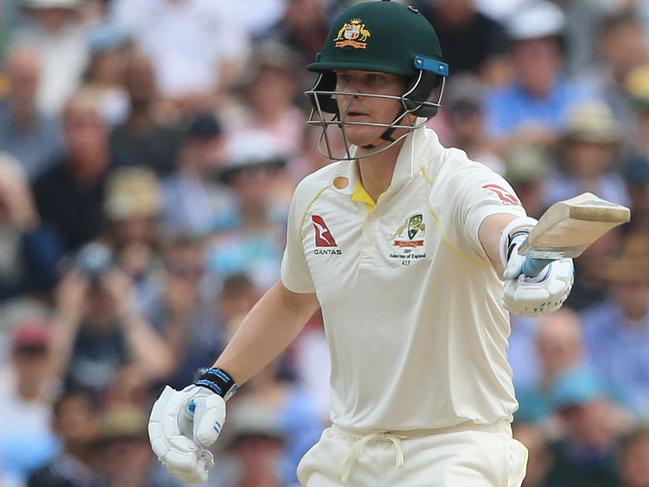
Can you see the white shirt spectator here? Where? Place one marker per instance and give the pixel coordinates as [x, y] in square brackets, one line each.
[187, 40]
[64, 56]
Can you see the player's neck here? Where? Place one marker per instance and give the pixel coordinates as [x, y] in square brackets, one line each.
[376, 171]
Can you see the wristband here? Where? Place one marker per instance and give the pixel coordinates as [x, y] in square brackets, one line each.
[218, 381]
[518, 226]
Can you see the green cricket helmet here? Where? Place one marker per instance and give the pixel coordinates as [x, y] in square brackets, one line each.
[386, 37]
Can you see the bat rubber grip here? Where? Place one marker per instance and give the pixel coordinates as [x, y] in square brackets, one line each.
[532, 267]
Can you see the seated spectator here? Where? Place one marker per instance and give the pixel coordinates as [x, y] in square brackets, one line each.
[75, 422]
[255, 174]
[636, 94]
[144, 138]
[55, 29]
[238, 295]
[464, 113]
[617, 330]
[109, 52]
[636, 176]
[254, 442]
[70, 194]
[473, 43]
[540, 458]
[183, 309]
[31, 251]
[195, 203]
[27, 134]
[588, 151]
[526, 170]
[286, 403]
[560, 347]
[26, 442]
[98, 328]
[122, 452]
[534, 108]
[634, 458]
[303, 28]
[133, 208]
[196, 46]
[313, 153]
[270, 87]
[292, 413]
[622, 46]
[586, 456]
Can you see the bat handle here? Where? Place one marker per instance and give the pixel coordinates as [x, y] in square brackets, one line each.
[532, 267]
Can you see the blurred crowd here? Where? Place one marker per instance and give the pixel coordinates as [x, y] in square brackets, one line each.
[148, 152]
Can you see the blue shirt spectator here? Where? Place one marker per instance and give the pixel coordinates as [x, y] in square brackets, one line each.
[618, 351]
[513, 108]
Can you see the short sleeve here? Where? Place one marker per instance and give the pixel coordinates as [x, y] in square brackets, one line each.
[295, 272]
[486, 193]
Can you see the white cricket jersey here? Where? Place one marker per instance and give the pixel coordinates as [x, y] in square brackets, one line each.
[412, 307]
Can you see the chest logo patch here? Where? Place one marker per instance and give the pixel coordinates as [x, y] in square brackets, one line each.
[324, 240]
[408, 240]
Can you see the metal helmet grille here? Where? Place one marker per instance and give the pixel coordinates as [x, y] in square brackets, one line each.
[325, 119]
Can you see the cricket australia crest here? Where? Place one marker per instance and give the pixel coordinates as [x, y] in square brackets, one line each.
[408, 240]
[353, 34]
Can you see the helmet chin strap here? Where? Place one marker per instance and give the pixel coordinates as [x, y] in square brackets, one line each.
[387, 133]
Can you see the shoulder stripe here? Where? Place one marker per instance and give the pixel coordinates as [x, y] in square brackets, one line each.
[451, 246]
[446, 241]
[306, 210]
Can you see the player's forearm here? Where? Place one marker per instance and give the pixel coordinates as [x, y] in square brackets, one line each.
[266, 331]
[490, 231]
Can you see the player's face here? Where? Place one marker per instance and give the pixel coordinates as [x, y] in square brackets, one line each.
[368, 109]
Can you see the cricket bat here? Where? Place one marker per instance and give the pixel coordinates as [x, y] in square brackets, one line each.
[568, 228]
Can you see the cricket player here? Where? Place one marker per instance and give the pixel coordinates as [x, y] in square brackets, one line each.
[410, 250]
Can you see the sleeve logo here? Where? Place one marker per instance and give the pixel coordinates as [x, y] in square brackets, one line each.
[503, 194]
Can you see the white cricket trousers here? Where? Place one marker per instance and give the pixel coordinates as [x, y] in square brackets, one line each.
[468, 455]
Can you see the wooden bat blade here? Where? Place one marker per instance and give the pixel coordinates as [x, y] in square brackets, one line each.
[569, 227]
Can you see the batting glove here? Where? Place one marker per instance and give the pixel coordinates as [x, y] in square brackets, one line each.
[538, 295]
[183, 424]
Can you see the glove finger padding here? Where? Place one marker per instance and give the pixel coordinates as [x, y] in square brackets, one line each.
[541, 295]
[178, 453]
[209, 415]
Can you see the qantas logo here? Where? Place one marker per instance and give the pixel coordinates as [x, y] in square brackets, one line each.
[504, 195]
[323, 236]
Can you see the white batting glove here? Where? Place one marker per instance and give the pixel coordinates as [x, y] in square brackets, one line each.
[538, 295]
[181, 427]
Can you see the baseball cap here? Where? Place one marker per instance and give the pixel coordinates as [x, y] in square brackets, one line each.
[465, 91]
[629, 264]
[636, 85]
[31, 335]
[593, 122]
[636, 171]
[203, 126]
[69, 4]
[535, 19]
[133, 192]
[106, 37]
[575, 387]
[251, 418]
[121, 423]
[249, 150]
[269, 54]
[526, 164]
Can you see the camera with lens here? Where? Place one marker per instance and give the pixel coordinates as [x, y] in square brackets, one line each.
[94, 261]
